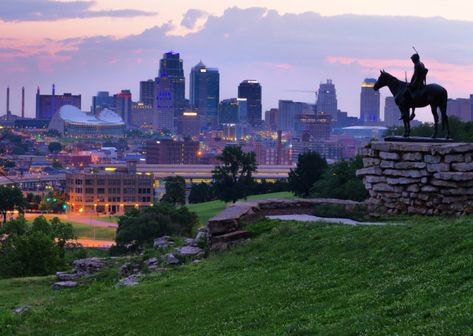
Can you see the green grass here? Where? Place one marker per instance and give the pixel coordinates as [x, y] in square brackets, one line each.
[207, 210]
[290, 279]
[87, 231]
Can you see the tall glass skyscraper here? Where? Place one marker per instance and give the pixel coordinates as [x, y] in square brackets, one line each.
[204, 93]
[369, 102]
[170, 90]
[251, 90]
[327, 99]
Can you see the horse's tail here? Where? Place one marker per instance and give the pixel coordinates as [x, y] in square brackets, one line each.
[443, 108]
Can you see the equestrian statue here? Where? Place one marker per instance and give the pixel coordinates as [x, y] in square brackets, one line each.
[416, 94]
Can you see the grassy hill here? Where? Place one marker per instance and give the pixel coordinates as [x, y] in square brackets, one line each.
[290, 279]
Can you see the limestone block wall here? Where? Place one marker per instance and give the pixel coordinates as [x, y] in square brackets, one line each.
[418, 178]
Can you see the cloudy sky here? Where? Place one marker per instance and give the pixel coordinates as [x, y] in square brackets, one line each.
[289, 46]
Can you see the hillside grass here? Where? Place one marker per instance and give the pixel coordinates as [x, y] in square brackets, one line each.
[289, 279]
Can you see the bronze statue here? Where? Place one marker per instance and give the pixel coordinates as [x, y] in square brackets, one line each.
[416, 94]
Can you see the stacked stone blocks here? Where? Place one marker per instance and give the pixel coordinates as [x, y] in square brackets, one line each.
[418, 178]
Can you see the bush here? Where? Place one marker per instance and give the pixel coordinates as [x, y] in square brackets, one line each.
[340, 181]
[140, 227]
[310, 167]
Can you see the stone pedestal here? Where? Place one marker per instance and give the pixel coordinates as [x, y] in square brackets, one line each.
[418, 178]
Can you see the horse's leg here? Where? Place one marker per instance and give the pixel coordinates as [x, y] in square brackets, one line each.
[436, 119]
[443, 112]
[405, 120]
[413, 114]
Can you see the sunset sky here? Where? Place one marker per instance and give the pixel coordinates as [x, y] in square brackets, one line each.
[289, 46]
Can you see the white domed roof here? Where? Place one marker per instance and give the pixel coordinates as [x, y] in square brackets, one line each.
[72, 114]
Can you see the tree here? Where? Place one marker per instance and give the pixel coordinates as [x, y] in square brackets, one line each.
[11, 198]
[62, 233]
[201, 192]
[16, 226]
[54, 147]
[340, 181]
[175, 190]
[310, 166]
[139, 227]
[233, 179]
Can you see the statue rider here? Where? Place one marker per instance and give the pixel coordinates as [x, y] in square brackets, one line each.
[418, 82]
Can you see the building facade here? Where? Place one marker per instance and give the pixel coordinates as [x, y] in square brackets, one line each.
[172, 152]
[205, 93]
[391, 113]
[460, 108]
[48, 105]
[251, 90]
[369, 102]
[327, 99]
[103, 100]
[147, 92]
[123, 105]
[108, 193]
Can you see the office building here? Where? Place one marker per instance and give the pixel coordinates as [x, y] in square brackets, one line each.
[369, 102]
[171, 82]
[233, 111]
[108, 193]
[459, 108]
[103, 100]
[251, 90]
[123, 106]
[172, 152]
[271, 118]
[147, 92]
[204, 93]
[327, 99]
[188, 124]
[391, 113]
[48, 105]
[142, 115]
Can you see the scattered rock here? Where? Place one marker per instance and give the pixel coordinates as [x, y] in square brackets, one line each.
[64, 284]
[196, 261]
[21, 310]
[156, 268]
[190, 242]
[151, 261]
[202, 236]
[88, 266]
[186, 251]
[64, 276]
[130, 281]
[162, 242]
[170, 259]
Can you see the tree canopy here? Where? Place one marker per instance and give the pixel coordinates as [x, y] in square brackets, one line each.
[233, 178]
[310, 166]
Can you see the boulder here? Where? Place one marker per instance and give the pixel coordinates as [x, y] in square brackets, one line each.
[21, 310]
[88, 266]
[187, 251]
[64, 284]
[64, 276]
[170, 259]
[130, 281]
[162, 242]
[190, 242]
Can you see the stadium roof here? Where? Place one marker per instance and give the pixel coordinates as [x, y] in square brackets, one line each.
[72, 114]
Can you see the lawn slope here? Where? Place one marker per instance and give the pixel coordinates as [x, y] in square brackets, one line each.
[290, 279]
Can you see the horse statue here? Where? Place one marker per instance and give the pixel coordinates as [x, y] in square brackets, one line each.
[432, 94]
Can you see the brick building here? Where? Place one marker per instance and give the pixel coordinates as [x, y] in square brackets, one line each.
[172, 152]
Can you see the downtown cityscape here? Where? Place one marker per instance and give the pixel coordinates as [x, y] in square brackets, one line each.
[236, 168]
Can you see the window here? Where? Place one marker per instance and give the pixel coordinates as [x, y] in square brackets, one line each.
[79, 190]
[88, 182]
[89, 190]
[100, 182]
[100, 190]
[78, 182]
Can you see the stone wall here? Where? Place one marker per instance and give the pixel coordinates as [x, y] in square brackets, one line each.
[225, 229]
[418, 178]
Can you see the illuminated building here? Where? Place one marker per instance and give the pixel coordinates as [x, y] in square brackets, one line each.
[251, 90]
[123, 105]
[172, 152]
[205, 93]
[188, 124]
[369, 102]
[108, 192]
[327, 99]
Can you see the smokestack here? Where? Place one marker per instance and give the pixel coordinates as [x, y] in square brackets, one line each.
[23, 102]
[54, 89]
[8, 101]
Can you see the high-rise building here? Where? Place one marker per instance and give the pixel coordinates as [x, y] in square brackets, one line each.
[172, 152]
[232, 111]
[171, 81]
[101, 101]
[147, 92]
[327, 99]
[289, 111]
[271, 119]
[188, 125]
[369, 102]
[165, 109]
[142, 115]
[48, 105]
[123, 105]
[204, 93]
[460, 108]
[391, 112]
[251, 90]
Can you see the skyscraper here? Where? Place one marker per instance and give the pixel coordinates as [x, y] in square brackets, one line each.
[48, 105]
[288, 113]
[171, 75]
[165, 108]
[232, 111]
[102, 100]
[391, 112]
[327, 99]
[123, 105]
[251, 90]
[147, 92]
[369, 102]
[205, 92]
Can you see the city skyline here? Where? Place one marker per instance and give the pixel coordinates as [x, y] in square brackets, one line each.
[85, 64]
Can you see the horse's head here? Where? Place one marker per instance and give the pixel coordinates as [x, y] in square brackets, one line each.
[382, 80]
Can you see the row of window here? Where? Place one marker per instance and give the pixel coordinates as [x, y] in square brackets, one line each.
[126, 199]
[101, 191]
